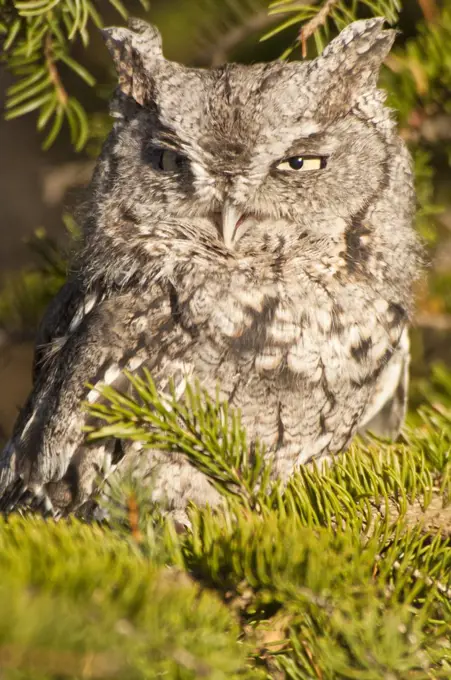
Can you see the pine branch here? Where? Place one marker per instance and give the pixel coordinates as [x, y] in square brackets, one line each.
[39, 38]
[331, 576]
[206, 431]
[317, 19]
[430, 10]
[365, 518]
[62, 95]
[80, 601]
[315, 22]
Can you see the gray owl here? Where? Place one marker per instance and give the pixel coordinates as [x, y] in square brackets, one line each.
[249, 227]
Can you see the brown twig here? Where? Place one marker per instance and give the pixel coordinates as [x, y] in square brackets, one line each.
[437, 322]
[58, 179]
[430, 10]
[309, 654]
[133, 518]
[435, 128]
[63, 663]
[315, 22]
[53, 71]
[254, 24]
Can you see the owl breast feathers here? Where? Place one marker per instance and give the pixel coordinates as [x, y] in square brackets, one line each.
[249, 226]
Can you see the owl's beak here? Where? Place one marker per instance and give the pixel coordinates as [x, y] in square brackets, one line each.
[232, 217]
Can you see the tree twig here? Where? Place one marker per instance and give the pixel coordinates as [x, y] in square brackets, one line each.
[437, 322]
[315, 22]
[254, 24]
[40, 661]
[429, 128]
[53, 71]
[430, 10]
[133, 518]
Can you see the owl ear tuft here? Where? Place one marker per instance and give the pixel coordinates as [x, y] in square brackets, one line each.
[136, 52]
[350, 64]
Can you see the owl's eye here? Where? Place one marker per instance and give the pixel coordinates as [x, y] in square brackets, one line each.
[302, 163]
[167, 160]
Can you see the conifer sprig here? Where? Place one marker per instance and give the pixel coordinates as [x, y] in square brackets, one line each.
[330, 558]
[317, 20]
[209, 433]
[203, 429]
[38, 41]
[78, 601]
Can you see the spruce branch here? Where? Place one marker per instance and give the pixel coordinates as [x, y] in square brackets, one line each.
[328, 576]
[430, 10]
[314, 23]
[62, 95]
[38, 39]
[80, 601]
[203, 429]
[318, 18]
[368, 490]
[362, 502]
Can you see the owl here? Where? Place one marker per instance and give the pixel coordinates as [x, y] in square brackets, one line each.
[250, 227]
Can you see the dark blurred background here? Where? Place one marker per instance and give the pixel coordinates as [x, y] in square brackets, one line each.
[39, 189]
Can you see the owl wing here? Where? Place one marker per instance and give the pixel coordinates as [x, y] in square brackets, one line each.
[101, 339]
[63, 310]
[385, 414]
[50, 338]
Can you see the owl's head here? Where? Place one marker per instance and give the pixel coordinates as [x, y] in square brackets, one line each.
[252, 155]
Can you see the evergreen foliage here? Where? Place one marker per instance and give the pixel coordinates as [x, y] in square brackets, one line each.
[316, 20]
[81, 602]
[39, 37]
[345, 573]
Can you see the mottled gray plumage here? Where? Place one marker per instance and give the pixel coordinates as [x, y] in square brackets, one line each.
[248, 225]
